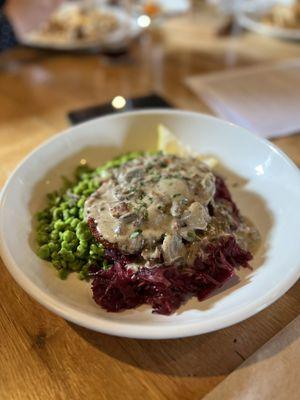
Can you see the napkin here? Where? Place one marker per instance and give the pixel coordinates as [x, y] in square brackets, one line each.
[271, 373]
[264, 99]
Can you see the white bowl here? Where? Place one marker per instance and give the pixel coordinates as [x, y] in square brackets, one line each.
[270, 196]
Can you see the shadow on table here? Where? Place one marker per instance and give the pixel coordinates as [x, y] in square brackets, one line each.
[213, 354]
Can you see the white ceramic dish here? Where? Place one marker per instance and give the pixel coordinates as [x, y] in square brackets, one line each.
[250, 15]
[174, 7]
[127, 31]
[270, 196]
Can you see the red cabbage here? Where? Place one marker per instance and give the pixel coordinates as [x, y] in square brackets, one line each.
[166, 288]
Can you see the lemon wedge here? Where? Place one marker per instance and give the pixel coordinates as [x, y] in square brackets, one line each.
[169, 144]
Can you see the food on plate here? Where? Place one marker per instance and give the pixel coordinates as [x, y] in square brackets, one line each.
[284, 15]
[152, 8]
[147, 228]
[78, 23]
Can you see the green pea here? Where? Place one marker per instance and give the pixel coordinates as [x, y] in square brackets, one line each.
[84, 184]
[84, 272]
[67, 255]
[109, 164]
[65, 246]
[53, 247]
[42, 238]
[81, 202]
[56, 263]
[42, 225]
[59, 225]
[75, 266]
[68, 236]
[69, 221]
[92, 185]
[74, 222]
[84, 243]
[48, 229]
[82, 275]
[63, 273]
[81, 214]
[77, 190]
[57, 200]
[74, 211]
[57, 213]
[44, 252]
[100, 251]
[81, 250]
[88, 192]
[81, 227]
[64, 206]
[100, 170]
[54, 235]
[43, 215]
[74, 243]
[105, 265]
[93, 248]
[54, 256]
[96, 250]
[66, 214]
[84, 236]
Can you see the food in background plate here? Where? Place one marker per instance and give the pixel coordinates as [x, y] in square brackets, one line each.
[147, 228]
[284, 15]
[151, 8]
[78, 23]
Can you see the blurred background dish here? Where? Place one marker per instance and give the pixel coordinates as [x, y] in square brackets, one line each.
[284, 15]
[279, 19]
[84, 25]
[164, 7]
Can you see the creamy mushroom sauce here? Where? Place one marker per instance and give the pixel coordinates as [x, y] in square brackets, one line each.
[157, 206]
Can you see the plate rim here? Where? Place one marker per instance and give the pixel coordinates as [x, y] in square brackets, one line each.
[133, 330]
[246, 21]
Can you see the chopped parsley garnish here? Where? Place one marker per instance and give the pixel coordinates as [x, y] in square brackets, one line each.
[184, 201]
[135, 233]
[191, 235]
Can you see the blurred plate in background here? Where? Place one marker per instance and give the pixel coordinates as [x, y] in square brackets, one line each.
[172, 7]
[126, 29]
[251, 18]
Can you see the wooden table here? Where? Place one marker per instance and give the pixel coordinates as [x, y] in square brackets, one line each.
[45, 357]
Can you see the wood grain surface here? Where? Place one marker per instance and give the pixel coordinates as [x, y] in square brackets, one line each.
[41, 355]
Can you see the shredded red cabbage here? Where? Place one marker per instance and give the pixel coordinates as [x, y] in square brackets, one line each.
[222, 193]
[166, 288]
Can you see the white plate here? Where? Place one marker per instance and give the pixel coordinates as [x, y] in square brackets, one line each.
[250, 18]
[127, 31]
[174, 7]
[270, 197]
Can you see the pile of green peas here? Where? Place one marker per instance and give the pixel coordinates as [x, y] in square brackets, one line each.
[62, 234]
